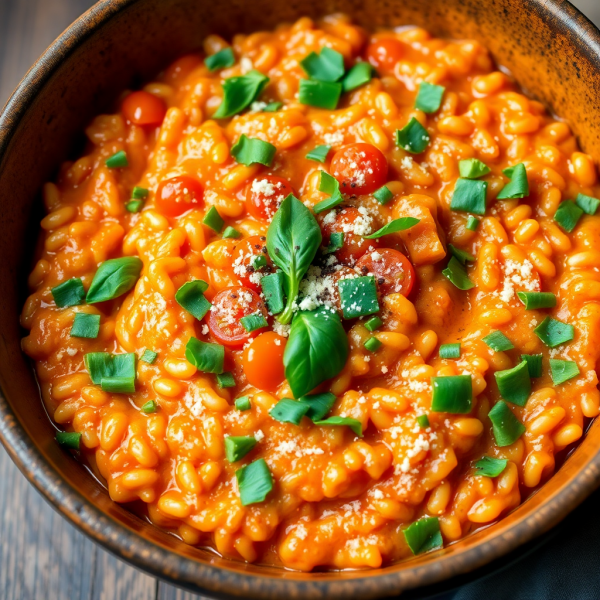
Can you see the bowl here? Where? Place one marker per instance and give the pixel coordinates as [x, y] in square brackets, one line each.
[120, 43]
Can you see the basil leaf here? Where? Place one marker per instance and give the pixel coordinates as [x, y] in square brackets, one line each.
[429, 97]
[320, 94]
[220, 60]
[587, 204]
[456, 273]
[327, 66]
[423, 535]
[69, 293]
[252, 151]
[239, 93]
[68, 439]
[490, 467]
[114, 278]
[461, 256]
[562, 370]
[319, 154]
[254, 482]
[518, 186]
[113, 372]
[318, 405]
[567, 215]
[316, 350]
[394, 226]
[191, 297]
[413, 137]
[354, 424]
[206, 357]
[330, 185]
[149, 356]
[236, 447]
[85, 326]
[358, 75]
[289, 411]
[293, 238]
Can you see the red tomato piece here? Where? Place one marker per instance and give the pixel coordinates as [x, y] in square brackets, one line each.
[385, 53]
[229, 306]
[263, 361]
[392, 270]
[359, 168]
[177, 195]
[264, 194]
[347, 220]
[143, 108]
[245, 255]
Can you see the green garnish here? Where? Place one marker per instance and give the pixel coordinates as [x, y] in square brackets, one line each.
[562, 370]
[567, 215]
[139, 193]
[253, 151]
[258, 262]
[118, 385]
[225, 379]
[394, 226]
[232, 233]
[515, 384]
[554, 333]
[289, 411]
[213, 220]
[429, 97]
[220, 60]
[319, 154]
[68, 439]
[336, 421]
[112, 372]
[253, 322]
[456, 273]
[518, 186]
[239, 93]
[272, 289]
[149, 407]
[242, 403]
[358, 75]
[191, 297]
[134, 206]
[471, 168]
[450, 351]
[149, 356]
[117, 160]
[506, 427]
[413, 137]
[336, 242]
[326, 66]
[498, 342]
[69, 293]
[254, 482]
[272, 107]
[328, 185]
[236, 447]
[490, 467]
[423, 421]
[423, 535]
[373, 324]
[472, 223]
[452, 394]
[469, 196]
[535, 300]
[358, 296]
[534, 364]
[461, 255]
[85, 326]
[321, 94]
[587, 204]
[205, 356]
[318, 405]
[114, 277]
[372, 344]
[383, 195]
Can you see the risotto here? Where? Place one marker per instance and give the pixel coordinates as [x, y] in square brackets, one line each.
[321, 298]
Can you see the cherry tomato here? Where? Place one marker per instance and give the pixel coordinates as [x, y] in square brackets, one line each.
[263, 361]
[244, 257]
[177, 195]
[264, 194]
[143, 108]
[345, 221]
[229, 306]
[360, 168]
[392, 270]
[385, 53]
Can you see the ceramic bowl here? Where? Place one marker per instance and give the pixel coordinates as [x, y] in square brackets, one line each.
[554, 53]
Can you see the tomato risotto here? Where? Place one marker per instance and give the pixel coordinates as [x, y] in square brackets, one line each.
[321, 298]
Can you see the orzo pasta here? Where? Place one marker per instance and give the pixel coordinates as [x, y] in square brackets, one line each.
[321, 297]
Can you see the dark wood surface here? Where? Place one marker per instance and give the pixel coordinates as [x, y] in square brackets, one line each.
[42, 557]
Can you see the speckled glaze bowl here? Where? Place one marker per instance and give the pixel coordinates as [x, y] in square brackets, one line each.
[553, 51]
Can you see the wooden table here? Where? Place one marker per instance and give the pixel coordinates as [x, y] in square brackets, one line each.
[42, 557]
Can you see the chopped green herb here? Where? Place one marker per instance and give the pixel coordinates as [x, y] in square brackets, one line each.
[253, 322]
[85, 326]
[117, 160]
[423, 421]
[358, 296]
[358, 75]
[587, 204]
[554, 333]
[383, 195]
[328, 185]
[567, 215]
[319, 154]
[413, 137]
[242, 403]
[320, 94]
[429, 97]
[220, 60]
[452, 394]
[113, 278]
[205, 356]
[450, 351]
[239, 93]
[254, 482]
[354, 424]
[562, 370]
[472, 223]
[232, 233]
[102, 366]
[326, 66]
[118, 385]
[272, 289]
[134, 206]
[336, 242]
[469, 196]
[372, 344]
[456, 273]
[289, 411]
[139, 193]
[471, 168]
[213, 220]
[373, 323]
[253, 151]
[423, 535]
[149, 407]
[149, 356]
[506, 427]
[490, 467]
[514, 384]
[69, 439]
[534, 364]
[394, 226]
[498, 342]
[236, 447]
[225, 380]
[518, 186]
[318, 405]
[272, 107]
[69, 293]
[536, 300]
[191, 297]
[258, 262]
[461, 255]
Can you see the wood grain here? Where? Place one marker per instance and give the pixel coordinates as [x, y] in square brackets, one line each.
[42, 557]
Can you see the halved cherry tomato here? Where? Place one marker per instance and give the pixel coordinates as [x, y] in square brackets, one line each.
[392, 270]
[385, 53]
[229, 306]
[177, 195]
[263, 361]
[264, 194]
[354, 245]
[143, 108]
[359, 168]
[244, 265]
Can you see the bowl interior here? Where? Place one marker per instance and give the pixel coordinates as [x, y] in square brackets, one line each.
[119, 44]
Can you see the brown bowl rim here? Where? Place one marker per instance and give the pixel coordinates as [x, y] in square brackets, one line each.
[227, 581]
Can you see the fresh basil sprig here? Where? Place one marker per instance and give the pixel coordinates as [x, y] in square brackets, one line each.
[114, 277]
[317, 350]
[293, 238]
